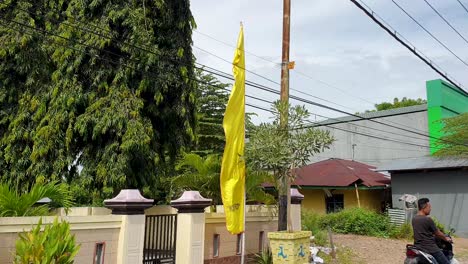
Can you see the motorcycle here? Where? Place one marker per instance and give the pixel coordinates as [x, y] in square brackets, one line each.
[416, 256]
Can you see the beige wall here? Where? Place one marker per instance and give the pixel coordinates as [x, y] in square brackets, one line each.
[255, 222]
[315, 199]
[88, 231]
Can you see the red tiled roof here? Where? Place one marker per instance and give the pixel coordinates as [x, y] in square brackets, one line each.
[338, 172]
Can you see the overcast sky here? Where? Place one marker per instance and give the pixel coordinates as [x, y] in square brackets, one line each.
[334, 42]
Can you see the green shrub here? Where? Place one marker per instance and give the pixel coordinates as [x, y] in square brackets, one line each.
[55, 245]
[311, 222]
[357, 221]
[439, 225]
[405, 231]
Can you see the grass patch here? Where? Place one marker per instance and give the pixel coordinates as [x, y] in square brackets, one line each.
[344, 255]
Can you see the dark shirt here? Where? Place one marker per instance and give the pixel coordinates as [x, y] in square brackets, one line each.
[424, 229]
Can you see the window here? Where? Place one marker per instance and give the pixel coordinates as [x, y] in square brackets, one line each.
[99, 253]
[334, 203]
[239, 244]
[261, 241]
[216, 245]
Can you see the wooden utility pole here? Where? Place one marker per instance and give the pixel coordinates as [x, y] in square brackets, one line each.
[284, 193]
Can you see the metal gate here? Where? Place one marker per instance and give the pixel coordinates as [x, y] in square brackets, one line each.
[160, 239]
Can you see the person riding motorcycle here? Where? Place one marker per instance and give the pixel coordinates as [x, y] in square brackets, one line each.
[425, 232]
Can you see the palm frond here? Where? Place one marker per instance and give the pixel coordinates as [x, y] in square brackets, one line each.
[13, 203]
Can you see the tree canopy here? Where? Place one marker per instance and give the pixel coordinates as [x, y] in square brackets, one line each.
[454, 142]
[212, 98]
[106, 86]
[397, 103]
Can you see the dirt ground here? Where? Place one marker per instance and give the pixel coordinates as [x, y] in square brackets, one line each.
[372, 250]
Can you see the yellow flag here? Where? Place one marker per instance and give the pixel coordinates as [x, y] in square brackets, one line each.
[233, 166]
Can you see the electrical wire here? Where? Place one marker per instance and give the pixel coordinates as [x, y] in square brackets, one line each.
[249, 83]
[464, 7]
[446, 21]
[380, 22]
[430, 34]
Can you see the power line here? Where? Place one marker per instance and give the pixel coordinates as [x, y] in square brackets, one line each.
[430, 34]
[379, 21]
[261, 108]
[464, 7]
[268, 89]
[178, 61]
[279, 66]
[248, 83]
[299, 91]
[270, 80]
[446, 21]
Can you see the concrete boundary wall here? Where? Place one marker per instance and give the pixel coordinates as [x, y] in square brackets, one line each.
[88, 231]
[259, 221]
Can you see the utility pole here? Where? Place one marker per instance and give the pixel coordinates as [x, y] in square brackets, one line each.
[284, 192]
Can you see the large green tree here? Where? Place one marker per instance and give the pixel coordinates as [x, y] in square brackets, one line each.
[106, 86]
[454, 142]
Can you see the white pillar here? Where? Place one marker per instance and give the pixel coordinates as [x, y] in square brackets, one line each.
[296, 203]
[190, 227]
[131, 205]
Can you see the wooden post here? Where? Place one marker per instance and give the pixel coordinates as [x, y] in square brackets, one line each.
[284, 194]
[357, 195]
[333, 253]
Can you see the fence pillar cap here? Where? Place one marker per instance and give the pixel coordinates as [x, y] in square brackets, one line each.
[296, 196]
[191, 202]
[128, 202]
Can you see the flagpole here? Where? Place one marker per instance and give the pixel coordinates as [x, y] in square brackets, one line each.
[245, 193]
[243, 233]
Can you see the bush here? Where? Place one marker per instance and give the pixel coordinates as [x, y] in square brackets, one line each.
[439, 225]
[405, 231]
[311, 222]
[357, 221]
[54, 245]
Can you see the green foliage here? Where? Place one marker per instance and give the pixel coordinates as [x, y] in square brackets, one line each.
[55, 245]
[14, 202]
[79, 92]
[439, 225]
[272, 148]
[357, 221]
[404, 102]
[405, 231]
[203, 174]
[454, 142]
[311, 222]
[211, 102]
[200, 174]
[264, 257]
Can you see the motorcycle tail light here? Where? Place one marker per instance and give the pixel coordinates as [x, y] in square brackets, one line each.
[411, 253]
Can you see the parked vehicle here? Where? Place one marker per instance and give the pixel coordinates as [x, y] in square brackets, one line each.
[415, 256]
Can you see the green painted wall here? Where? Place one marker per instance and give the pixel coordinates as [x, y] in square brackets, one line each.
[443, 101]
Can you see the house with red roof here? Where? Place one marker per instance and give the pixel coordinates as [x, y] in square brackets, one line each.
[335, 184]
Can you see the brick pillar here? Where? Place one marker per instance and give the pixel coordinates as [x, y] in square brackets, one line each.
[190, 227]
[131, 205]
[296, 201]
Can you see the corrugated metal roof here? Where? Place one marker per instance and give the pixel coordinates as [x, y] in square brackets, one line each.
[339, 173]
[422, 163]
[377, 114]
